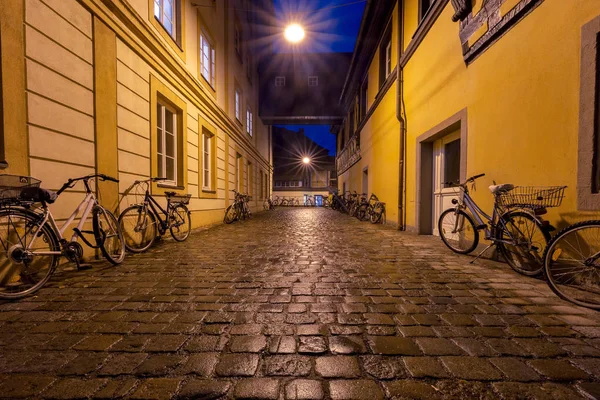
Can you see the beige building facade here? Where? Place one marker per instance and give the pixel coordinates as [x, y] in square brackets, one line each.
[135, 89]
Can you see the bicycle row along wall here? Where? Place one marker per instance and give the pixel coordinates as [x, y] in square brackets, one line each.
[86, 85]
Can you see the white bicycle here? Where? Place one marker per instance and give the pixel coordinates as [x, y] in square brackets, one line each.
[31, 243]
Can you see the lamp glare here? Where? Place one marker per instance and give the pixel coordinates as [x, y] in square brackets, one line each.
[294, 33]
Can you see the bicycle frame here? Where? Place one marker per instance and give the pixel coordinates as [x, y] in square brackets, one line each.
[89, 202]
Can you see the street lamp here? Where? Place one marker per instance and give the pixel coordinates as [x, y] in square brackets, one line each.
[294, 33]
[306, 160]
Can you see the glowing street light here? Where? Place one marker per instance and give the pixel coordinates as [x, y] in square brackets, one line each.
[306, 160]
[294, 33]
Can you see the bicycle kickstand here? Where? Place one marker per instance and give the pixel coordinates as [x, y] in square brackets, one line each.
[480, 254]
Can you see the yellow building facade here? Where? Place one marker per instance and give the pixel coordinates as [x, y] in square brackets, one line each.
[135, 89]
[506, 88]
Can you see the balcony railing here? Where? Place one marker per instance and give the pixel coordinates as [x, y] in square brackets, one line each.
[348, 156]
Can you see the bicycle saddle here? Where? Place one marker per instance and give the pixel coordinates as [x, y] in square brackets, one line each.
[499, 189]
[38, 195]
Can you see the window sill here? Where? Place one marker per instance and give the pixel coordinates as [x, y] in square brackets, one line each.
[165, 186]
[210, 85]
[209, 191]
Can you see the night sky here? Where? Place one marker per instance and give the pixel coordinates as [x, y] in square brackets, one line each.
[331, 26]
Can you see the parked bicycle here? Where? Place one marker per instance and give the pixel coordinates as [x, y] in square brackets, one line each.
[515, 225]
[142, 223]
[32, 243]
[239, 209]
[309, 200]
[572, 264]
[268, 204]
[372, 210]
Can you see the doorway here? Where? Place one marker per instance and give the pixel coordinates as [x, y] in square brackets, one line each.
[446, 170]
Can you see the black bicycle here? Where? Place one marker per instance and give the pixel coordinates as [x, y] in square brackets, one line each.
[142, 223]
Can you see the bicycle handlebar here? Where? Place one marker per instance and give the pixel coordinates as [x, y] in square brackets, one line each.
[471, 179]
[71, 182]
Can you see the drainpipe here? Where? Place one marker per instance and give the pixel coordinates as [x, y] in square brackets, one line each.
[399, 115]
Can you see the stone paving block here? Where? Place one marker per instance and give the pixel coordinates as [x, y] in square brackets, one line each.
[28, 386]
[474, 347]
[507, 347]
[515, 369]
[237, 365]
[304, 389]
[158, 364]
[247, 344]
[312, 345]
[337, 367]
[471, 368]
[516, 390]
[85, 363]
[355, 390]
[408, 389]
[392, 345]
[438, 347]
[558, 369]
[425, 367]
[257, 388]
[165, 343]
[204, 389]
[287, 365]
[97, 342]
[282, 345]
[74, 388]
[116, 388]
[383, 367]
[157, 388]
[347, 345]
[123, 363]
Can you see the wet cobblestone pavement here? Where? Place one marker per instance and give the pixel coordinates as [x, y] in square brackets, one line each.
[299, 304]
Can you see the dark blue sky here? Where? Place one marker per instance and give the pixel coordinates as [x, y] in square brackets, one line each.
[331, 26]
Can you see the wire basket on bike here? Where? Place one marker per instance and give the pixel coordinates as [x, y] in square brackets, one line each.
[179, 198]
[11, 186]
[532, 197]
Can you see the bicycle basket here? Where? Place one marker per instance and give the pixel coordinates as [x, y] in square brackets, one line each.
[179, 198]
[11, 186]
[532, 197]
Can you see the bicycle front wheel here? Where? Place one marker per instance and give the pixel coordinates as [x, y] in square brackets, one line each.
[180, 223]
[138, 225]
[523, 242]
[457, 231]
[230, 214]
[376, 213]
[572, 266]
[25, 266]
[109, 236]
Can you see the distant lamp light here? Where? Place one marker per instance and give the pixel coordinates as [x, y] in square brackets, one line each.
[294, 33]
[306, 160]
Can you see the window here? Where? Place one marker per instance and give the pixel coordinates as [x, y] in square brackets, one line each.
[249, 68]
[168, 14]
[424, 6]
[207, 149]
[313, 81]
[207, 60]
[385, 56]
[280, 81]
[364, 98]
[167, 143]
[249, 122]
[351, 122]
[238, 105]
[237, 40]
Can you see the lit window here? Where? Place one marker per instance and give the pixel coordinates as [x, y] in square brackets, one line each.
[167, 143]
[313, 81]
[165, 12]
[280, 81]
[206, 161]
[249, 121]
[238, 105]
[207, 60]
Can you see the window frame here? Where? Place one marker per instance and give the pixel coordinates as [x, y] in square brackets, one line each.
[280, 81]
[237, 40]
[162, 108]
[176, 40]
[385, 45]
[212, 69]
[207, 160]
[238, 105]
[314, 79]
[249, 122]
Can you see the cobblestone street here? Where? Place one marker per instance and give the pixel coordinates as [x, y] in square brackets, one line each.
[298, 304]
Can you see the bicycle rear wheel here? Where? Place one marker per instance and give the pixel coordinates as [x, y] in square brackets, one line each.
[376, 213]
[362, 212]
[24, 271]
[572, 266]
[457, 231]
[109, 236]
[180, 222]
[230, 214]
[527, 242]
[139, 228]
